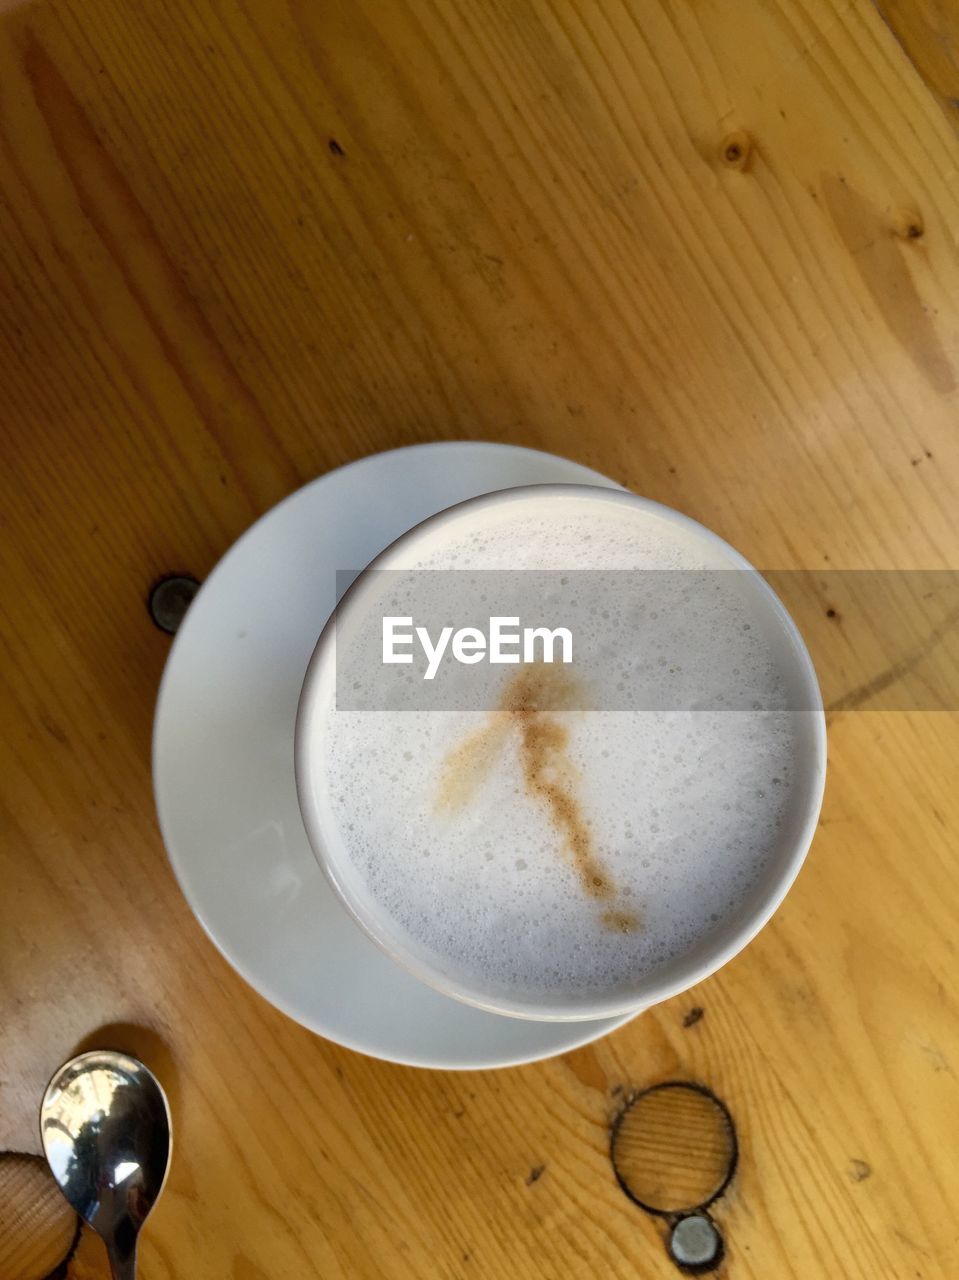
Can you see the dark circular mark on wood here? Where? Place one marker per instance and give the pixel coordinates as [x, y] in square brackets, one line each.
[169, 600]
[673, 1148]
[831, 613]
[335, 148]
[695, 1244]
[735, 150]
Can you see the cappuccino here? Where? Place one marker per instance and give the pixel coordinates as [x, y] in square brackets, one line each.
[565, 848]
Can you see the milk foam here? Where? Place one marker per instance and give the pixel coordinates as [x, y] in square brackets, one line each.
[687, 810]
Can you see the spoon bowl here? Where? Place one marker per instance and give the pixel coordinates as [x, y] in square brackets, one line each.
[105, 1128]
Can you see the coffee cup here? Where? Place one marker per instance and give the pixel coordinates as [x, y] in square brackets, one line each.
[549, 830]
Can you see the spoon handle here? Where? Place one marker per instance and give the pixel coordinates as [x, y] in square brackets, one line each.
[123, 1262]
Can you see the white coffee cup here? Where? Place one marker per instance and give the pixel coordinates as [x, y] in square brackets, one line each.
[700, 960]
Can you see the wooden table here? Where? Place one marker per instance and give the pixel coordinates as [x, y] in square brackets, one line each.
[709, 249]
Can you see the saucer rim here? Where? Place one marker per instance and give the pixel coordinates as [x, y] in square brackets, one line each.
[586, 1032]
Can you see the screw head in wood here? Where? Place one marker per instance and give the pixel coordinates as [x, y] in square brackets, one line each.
[695, 1243]
[170, 599]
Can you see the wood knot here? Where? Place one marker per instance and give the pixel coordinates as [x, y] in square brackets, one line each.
[735, 150]
[908, 225]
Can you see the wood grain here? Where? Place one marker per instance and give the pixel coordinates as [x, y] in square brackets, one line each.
[37, 1227]
[673, 1148]
[710, 252]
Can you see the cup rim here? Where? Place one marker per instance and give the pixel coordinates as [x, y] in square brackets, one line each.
[690, 975]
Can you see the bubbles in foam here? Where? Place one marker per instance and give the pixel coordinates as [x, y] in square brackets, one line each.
[684, 806]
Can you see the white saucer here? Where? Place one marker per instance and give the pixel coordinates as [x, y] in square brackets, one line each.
[223, 762]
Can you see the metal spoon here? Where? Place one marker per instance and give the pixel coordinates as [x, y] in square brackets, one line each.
[105, 1127]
